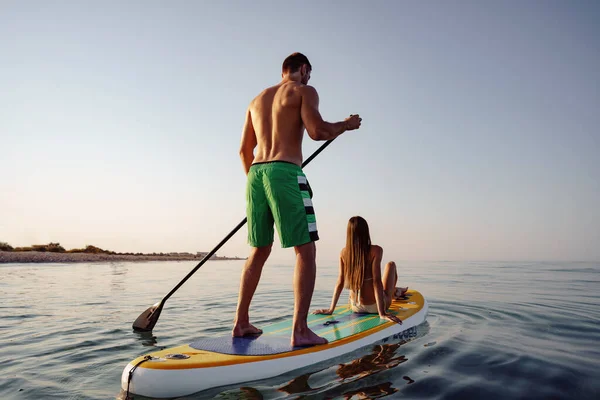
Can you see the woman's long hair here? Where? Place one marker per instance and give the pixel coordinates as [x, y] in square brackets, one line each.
[356, 260]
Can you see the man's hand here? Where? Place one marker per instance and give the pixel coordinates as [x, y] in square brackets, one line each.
[391, 318]
[353, 122]
[325, 311]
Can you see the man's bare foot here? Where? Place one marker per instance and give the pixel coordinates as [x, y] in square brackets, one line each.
[245, 330]
[400, 292]
[308, 339]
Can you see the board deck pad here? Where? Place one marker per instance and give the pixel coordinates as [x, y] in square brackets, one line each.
[275, 338]
[245, 346]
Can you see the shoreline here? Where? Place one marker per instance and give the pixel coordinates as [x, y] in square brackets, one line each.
[22, 257]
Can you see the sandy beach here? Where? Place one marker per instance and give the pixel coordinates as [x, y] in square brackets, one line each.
[51, 257]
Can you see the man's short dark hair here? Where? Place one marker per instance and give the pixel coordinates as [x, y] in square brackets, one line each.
[294, 61]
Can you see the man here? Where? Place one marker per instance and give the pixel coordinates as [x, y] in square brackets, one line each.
[277, 190]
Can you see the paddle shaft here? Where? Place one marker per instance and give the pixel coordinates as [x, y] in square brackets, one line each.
[234, 231]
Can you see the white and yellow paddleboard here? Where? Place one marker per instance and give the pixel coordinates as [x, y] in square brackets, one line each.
[218, 361]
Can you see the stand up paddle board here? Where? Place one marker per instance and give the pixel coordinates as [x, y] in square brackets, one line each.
[224, 360]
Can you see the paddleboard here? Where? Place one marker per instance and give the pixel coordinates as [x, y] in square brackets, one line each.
[218, 361]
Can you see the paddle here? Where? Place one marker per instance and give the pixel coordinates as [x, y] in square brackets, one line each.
[146, 321]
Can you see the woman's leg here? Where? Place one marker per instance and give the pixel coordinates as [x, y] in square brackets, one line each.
[389, 278]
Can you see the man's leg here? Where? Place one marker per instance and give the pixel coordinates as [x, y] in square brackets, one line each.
[304, 285]
[248, 283]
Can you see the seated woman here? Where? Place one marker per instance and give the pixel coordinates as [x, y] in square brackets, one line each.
[360, 272]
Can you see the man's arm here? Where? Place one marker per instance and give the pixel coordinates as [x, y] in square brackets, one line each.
[317, 128]
[248, 143]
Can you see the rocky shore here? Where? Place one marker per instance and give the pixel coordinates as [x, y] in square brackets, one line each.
[51, 257]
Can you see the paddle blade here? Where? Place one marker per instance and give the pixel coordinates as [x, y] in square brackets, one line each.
[146, 321]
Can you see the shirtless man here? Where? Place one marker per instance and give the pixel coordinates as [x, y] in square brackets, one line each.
[277, 191]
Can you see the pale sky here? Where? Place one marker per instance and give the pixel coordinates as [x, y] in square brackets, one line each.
[120, 123]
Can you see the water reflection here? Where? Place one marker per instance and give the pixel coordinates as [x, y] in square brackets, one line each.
[297, 385]
[147, 338]
[371, 392]
[249, 393]
[382, 357]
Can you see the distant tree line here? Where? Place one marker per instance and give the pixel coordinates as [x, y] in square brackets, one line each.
[57, 248]
[54, 248]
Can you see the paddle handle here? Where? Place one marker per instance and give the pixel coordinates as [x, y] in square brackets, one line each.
[234, 231]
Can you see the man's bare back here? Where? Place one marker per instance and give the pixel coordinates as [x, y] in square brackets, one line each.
[278, 124]
[277, 117]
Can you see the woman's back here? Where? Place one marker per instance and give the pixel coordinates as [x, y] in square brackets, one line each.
[366, 293]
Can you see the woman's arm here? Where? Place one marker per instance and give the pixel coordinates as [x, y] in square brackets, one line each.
[339, 286]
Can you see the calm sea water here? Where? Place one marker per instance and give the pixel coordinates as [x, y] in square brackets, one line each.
[494, 331]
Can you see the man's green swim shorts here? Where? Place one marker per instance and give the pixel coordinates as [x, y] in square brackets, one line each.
[278, 192]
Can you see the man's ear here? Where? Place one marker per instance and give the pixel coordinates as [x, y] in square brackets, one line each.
[303, 69]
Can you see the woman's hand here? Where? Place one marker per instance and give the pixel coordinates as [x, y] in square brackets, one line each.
[325, 311]
[392, 318]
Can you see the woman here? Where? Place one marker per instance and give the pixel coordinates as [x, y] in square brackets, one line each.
[360, 272]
